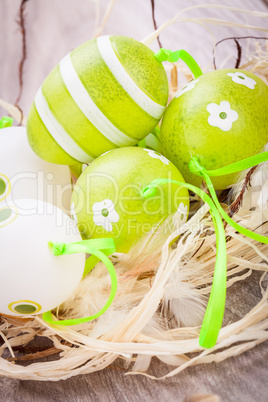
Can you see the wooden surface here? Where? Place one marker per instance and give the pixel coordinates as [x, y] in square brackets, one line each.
[54, 27]
[239, 379]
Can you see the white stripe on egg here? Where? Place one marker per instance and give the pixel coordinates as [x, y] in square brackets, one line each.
[85, 103]
[58, 132]
[145, 102]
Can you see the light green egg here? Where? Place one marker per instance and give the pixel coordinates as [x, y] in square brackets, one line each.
[221, 117]
[109, 92]
[107, 200]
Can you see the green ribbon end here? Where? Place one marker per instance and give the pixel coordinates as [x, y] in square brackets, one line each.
[56, 248]
[6, 121]
[148, 192]
[195, 166]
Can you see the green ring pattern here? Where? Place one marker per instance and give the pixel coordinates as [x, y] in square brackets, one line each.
[3, 186]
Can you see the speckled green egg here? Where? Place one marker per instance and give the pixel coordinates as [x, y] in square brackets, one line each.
[109, 92]
[107, 200]
[221, 117]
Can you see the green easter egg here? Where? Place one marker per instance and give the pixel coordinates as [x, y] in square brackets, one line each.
[109, 92]
[107, 200]
[221, 117]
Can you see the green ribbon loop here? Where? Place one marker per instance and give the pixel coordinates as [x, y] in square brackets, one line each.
[212, 321]
[196, 168]
[6, 122]
[99, 248]
[169, 55]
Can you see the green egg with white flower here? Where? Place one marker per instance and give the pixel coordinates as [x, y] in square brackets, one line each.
[109, 92]
[221, 117]
[107, 200]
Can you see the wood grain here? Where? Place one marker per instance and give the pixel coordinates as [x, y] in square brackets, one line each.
[54, 27]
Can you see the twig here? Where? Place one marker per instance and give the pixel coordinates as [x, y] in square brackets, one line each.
[21, 115]
[14, 111]
[234, 207]
[37, 355]
[239, 48]
[239, 53]
[154, 22]
[21, 23]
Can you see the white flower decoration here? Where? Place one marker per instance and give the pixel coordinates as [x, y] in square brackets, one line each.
[241, 78]
[188, 87]
[180, 216]
[105, 214]
[221, 116]
[73, 214]
[157, 155]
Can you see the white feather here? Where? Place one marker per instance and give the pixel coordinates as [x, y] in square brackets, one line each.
[182, 301]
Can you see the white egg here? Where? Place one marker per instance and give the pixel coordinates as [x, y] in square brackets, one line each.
[25, 175]
[32, 279]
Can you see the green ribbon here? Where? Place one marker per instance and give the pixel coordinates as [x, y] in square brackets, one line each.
[142, 143]
[196, 168]
[212, 321]
[215, 309]
[154, 144]
[99, 249]
[169, 55]
[6, 122]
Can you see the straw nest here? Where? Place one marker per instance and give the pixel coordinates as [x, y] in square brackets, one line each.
[164, 284]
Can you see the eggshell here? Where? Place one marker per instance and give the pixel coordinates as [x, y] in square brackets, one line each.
[24, 175]
[33, 280]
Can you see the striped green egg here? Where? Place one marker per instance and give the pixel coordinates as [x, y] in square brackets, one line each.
[109, 92]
